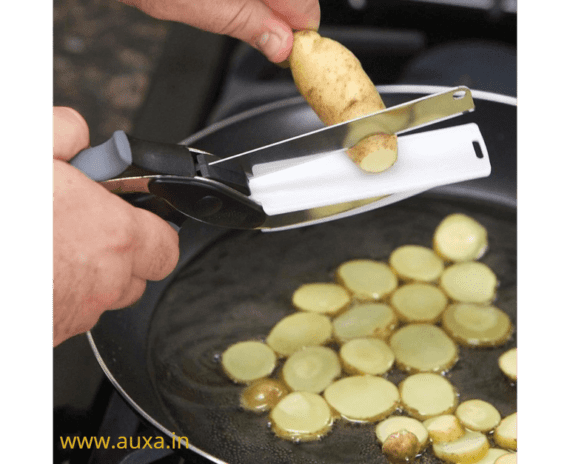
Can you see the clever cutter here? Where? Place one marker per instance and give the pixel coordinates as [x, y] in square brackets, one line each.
[298, 181]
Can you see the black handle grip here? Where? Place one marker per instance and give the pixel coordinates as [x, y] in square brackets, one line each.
[210, 202]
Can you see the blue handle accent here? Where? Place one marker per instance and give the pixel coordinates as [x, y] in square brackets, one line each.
[107, 160]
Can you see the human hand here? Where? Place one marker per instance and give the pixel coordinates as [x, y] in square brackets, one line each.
[264, 24]
[104, 249]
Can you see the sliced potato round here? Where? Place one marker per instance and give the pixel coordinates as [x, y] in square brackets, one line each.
[366, 279]
[324, 298]
[509, 458]
[505, 434]
[364, 398]
[395, 424]
[469, 282]
[311, 369]
[298, 330]
[423, 348]
[262, 395]
[492, 455]
[444, 428]
[508, 363]
[427, 395]
[470, 448]
[366, 356]
[365, 320]
[478, 415]
[460, 238]
[244, 362]
[414, 262]
[401, 446]
[476, 325]
[301, 416]
[418, 302]
[375, 153]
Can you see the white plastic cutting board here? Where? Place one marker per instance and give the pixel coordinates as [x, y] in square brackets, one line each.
[425, 160]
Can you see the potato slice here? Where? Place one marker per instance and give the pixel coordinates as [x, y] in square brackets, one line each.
[366, 279]
[492, 455]
[476, 325]
[332, 80]
[414, 262]
[363, 398]
[262, 395]
[478, 415]
[423, 348]
[508, 363]
[505, 434]
[401, 446]
[244, 362]
[311, 369]
[301, 416]
[397, 423]
[298, 330]
[460, 238]
[419, 302]
[375, 153]
[427, 395]
[470, 448]
[366, 356]
[444, 428]
[324, 298]
[509, 458]
[365, 320]
[470, 282]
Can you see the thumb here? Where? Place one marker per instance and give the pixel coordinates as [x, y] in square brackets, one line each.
[70, 133]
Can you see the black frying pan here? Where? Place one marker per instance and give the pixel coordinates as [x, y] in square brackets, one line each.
[163, 353]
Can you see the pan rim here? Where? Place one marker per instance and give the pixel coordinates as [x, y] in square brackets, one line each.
[405, 88]
[399, 88]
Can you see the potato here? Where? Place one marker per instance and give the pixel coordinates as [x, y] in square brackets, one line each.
[508, 363]
[298, 331]
[470, 448]
[423, 348]
[334, 84]
[311, 369]
[363, 398]
[301, 416]
[262, 395]
[324, 298]
[478, 415]
[444, 428]
[505, 434]
[395, 424]
[244, 362]
[401, 446]
[460, 238]
[427, 395]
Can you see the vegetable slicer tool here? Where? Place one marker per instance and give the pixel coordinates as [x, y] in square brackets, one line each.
[299, 181]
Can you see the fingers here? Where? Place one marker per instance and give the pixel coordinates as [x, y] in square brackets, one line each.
[131, 294]
[155, 252]
[299, 14]
[70, 133]
[264, 24]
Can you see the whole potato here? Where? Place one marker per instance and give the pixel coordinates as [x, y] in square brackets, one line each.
[332, 80]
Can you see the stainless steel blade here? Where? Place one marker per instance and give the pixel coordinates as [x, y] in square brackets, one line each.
[394, 120]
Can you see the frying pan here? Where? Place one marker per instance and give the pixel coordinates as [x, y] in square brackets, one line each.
[162, 354]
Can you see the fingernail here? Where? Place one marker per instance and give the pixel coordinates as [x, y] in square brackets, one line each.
[270, 44]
